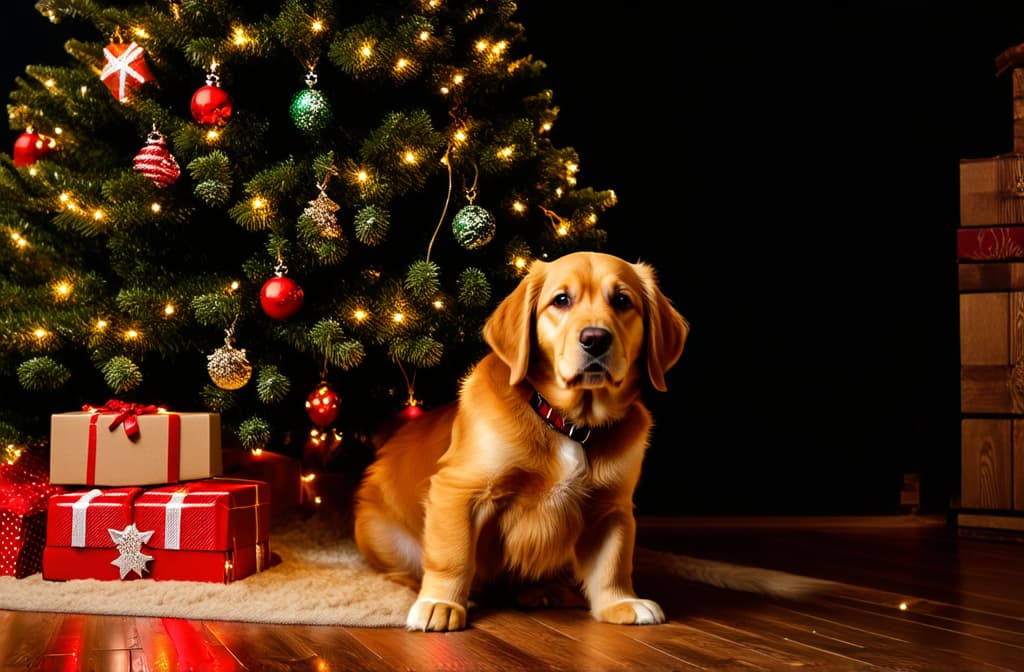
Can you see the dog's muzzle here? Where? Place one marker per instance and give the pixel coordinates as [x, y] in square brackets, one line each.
[595, 342]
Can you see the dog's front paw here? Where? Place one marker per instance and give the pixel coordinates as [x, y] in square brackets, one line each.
[436, 616]
[632, 611]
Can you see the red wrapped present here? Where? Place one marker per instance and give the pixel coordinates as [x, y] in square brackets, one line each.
[125, 70]
[24, 492]
[282, 473]
[79, 543]
[215, 530]
[124, 444]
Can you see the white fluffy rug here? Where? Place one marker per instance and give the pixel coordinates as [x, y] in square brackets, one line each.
[321, 579]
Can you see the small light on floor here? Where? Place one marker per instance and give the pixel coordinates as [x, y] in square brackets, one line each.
[903, 606]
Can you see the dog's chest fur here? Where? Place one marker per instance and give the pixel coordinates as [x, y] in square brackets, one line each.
[535, 523]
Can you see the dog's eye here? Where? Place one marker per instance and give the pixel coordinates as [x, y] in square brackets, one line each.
[562, 300]
[621, 301]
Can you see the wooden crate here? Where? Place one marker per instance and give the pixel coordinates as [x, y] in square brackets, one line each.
[992, 352]
[990, 247]
[992, 464]
[994, 277]
[991, 287]
[992, 190]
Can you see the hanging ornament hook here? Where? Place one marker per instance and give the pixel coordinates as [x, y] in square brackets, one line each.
[229, 333]
[279, 268]
[447, 161]
[410, 384]
[212, 78]
[471, 191]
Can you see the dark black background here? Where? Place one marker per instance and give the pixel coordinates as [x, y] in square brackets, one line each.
[793, 176]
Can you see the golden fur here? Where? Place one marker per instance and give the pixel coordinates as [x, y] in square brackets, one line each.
[484, 491]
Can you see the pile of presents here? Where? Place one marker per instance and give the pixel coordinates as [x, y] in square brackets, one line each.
[133, 492]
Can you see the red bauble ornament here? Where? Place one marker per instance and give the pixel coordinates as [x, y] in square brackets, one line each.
[210, 104]
[281, 297]
[125, 69]
[156, 163]
[411, 411]
[30, 147]
[322, 405]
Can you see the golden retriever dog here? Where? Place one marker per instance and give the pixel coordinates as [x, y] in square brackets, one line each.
[528, 479]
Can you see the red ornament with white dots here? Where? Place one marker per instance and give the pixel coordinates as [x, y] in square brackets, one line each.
[323, 404]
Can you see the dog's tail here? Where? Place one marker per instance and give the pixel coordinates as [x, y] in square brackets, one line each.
[729, 576]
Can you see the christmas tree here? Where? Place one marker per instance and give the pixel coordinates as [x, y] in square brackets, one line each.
[250, 208]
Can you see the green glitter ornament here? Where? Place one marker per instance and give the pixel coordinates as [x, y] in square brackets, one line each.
[310, 109]
[473, 227]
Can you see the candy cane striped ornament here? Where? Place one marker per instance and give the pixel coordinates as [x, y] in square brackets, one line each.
[156, 162]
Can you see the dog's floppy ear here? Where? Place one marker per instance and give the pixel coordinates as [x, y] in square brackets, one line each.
[665, 328]
[509, 329]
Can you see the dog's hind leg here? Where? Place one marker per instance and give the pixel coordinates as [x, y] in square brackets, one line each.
[388, 546]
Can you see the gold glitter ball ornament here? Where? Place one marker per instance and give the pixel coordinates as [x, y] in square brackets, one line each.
[228, 367]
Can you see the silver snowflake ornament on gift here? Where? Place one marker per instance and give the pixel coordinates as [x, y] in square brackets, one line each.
[129, 543]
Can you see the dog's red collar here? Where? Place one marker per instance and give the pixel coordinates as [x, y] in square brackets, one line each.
[578, 433]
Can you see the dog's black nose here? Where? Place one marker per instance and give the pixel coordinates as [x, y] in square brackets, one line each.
[595, 341]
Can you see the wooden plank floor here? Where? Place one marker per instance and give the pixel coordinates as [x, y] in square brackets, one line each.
[963, 598]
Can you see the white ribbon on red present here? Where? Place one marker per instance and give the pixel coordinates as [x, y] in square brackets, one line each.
[176, 504]
[78, 511]
[172, 521]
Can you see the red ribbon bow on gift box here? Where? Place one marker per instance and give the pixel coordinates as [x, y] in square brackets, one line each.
[126, 413]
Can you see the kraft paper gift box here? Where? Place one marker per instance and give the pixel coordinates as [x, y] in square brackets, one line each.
[121, 444]
[78, 540]
[24, 494]
[213, 530]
